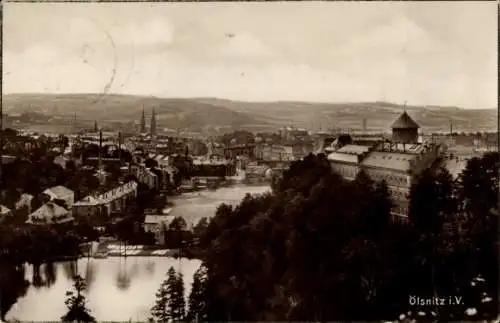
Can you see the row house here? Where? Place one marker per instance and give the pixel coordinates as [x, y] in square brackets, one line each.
[115, 200]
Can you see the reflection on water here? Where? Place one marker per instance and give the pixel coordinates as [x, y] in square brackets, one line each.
[50, 274]
[123, 277]
[90, 274]
[13, 285]
[43, 276]
[120, 290]
[70, 269]
[150, 268]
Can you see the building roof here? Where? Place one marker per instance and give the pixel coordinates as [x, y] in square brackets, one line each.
[50, 213]
[158, 219]
[58, 192]
[401, 148]
[88, 201]
[24, 199]
[343, 157]
[405, 122]
[353, 149]
[118, 192]
[108, 196]
[389, 160]
[4, 210]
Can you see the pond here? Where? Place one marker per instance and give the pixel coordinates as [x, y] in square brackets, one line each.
[120, 289]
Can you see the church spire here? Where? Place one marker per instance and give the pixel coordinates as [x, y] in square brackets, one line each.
[143, 121]
[153, 123]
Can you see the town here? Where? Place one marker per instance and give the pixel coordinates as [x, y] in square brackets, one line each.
[113, 165]
[269, 161]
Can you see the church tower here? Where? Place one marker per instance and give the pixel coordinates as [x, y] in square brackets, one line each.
[153, 123]
[143, 122]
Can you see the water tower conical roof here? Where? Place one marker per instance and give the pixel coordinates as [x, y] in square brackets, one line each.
[405, 122]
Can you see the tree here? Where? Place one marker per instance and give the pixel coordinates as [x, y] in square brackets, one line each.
[285, 255]
[479, 184]
[430, 198]
[75, 303]
[178, 303]
[159, 310]
[200, 227]
[170, 304]
[196, 302]
[174, 236]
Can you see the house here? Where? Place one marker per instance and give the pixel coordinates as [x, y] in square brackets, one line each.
[145, 176]
[24, 201]
[60, 160]
[4, 212]
[105, 204]
[157, 224]
[50, 213]
[89, 206]
[61, 193]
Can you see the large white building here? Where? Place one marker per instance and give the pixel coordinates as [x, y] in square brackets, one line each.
[397, 161]
[61, 193]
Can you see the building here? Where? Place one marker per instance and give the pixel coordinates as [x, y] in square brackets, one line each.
[24, 202]
[61, 193]
[254, 171]
[291, 133]
[405, 129]
[4, 212]
[240, 150]
[269, 152]
[396, 161]
[215, 149]
[115, 200]
[213, 168]
[145, 176]
[157, 224]
[50, 213]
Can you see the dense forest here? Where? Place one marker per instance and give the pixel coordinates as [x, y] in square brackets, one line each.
[322, 248]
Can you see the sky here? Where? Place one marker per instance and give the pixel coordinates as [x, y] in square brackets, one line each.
[425, 53]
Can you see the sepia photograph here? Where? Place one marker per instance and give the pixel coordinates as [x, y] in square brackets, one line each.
[249, 161]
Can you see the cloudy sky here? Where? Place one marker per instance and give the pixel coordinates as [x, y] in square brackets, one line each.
[439, 53]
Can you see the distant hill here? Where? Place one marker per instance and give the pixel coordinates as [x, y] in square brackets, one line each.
[171, 113]
[225, 115]
[379, 115]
